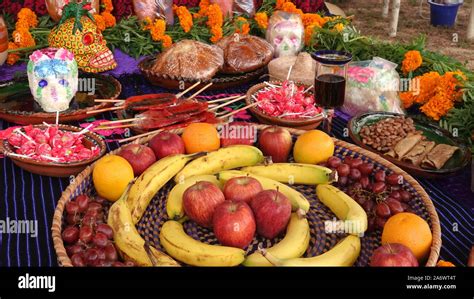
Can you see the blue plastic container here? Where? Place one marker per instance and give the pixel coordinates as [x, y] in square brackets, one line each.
[443, 14]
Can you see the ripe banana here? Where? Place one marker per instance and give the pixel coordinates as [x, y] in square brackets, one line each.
[174, 203]
[293, 245]
[223, 159]
[128, 240]
[182, 247]
[344, 254]
[344, 207]
[294, 173]
[298, 201]
[150, 182]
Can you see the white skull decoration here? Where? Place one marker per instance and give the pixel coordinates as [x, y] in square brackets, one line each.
[53, 78]
[285, 33]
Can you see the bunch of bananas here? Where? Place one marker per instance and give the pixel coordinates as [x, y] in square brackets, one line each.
[216, 167]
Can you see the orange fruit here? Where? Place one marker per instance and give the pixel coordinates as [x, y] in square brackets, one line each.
[111, 176]
[410, 230]
[313, 147]
[201, 137]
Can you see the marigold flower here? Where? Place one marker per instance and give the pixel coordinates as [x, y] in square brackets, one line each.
[12, 57]
[108, 6]
[308, 34]
[291, 8]
[242, 25]
[99, 22]
[23, 38]
[166, 41]
[215, 20]
[311, 19]
[28, 16]
[262, 19]
[412, 61]
[339, 27]
[185, 17]
[109, 19]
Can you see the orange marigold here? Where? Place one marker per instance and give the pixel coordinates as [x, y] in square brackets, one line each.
[412, 61]
[437, 106]
[291, 8]
[215, 21]
[308, 33]
[339, 27]
[311, 19]
[203, 6]
[108, 6]
[109, 19]
[23, 38]
[158, 29]
[184, 16]
[242, 25]
[167, 41]
[12, 57]
[27, 16]
[279, 3]
[426, 88]
[262, 19]
[100, 22]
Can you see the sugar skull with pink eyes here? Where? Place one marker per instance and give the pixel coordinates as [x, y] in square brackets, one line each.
[53, 78]
[285, 32]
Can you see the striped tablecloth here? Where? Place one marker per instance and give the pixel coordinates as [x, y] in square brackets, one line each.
[27, 196]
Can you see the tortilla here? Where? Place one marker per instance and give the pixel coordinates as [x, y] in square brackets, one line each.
[404, 146]
[438, 156]
[419, 152]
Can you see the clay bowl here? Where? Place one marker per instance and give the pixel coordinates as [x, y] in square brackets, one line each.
[54, 169]
[301, 124]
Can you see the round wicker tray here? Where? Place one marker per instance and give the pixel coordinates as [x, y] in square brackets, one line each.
[150, 224]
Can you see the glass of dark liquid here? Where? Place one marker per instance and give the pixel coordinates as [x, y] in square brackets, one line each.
[330, 81]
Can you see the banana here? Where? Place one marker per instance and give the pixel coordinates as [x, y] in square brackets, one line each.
[223, 159]
[293, 245]
[150, 182]
[344, 254]
[344, 207]
[182, 247]
[128, 240]
[174, 203]
[298, 201]
[294, 173]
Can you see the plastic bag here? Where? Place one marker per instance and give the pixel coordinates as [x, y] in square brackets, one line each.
[285, 33]
[372, 85]
[55, 8]
[246, 7]
[225, 5]
[154, 9]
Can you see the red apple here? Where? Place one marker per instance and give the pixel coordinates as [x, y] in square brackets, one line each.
[167, 144]
[272, 211]
[393, 255]
[276, 142]
[200, 200]
[242, 189]
[234, 224]
[238, 133]
[139, 156]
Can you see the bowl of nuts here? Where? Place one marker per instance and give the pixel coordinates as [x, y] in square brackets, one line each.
[420, 148]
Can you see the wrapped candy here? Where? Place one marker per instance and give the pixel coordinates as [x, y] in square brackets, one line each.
[3, 41]
[285, 32]
[55, 8]
[53, 78]
[246, 7]
[154, 9]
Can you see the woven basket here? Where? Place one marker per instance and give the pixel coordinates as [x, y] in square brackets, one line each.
[155, 215]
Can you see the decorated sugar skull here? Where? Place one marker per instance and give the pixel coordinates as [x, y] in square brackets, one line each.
[78, 33]
[285, 32]
[53, 78]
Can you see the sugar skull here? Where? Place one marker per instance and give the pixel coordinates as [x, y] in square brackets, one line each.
[285, 32]
[89, 46]
[53, 78]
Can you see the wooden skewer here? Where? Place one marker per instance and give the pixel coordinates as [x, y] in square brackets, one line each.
[227, 103]
[241, 109]
[106, 123]
[108, 101]
[115, 127]
[105, 110]
[223, 99]
[179, 95]
[199, 91]
[140, 136]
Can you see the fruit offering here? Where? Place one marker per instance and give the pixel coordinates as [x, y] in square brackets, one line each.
[88, 239]
[167, 144]
[272, 212]
[276, 142]
[242, 188]
[287, 100]
[139, 156]
[393, 255]
[51, 145]
[234, 224]
[313, 147]
[111, 175]
[201, 137]
[200, 202]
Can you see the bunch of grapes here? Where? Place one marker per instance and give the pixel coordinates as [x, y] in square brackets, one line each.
[379, 194]
[88, 237]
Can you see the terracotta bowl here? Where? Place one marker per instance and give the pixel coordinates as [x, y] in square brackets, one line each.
[301, 124]
[54, 169]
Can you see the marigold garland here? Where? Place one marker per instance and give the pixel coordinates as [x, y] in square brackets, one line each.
[184, 16]
[262, 19]
[412, 61]
[242, 25]
[215, 20]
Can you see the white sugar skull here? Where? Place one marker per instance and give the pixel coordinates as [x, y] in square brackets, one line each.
[53, 78]
[285, 32]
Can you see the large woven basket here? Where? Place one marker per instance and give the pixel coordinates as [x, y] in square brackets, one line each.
[155, 215]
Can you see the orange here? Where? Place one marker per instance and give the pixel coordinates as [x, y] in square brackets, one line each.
[313, 147]
[410, 230]
[201, 137]
[111, 176]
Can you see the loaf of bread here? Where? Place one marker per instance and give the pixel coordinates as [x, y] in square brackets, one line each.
[191, 60]
[244, 53]
[303, 68]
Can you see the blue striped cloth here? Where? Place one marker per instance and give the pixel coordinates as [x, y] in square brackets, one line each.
[26, 196]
